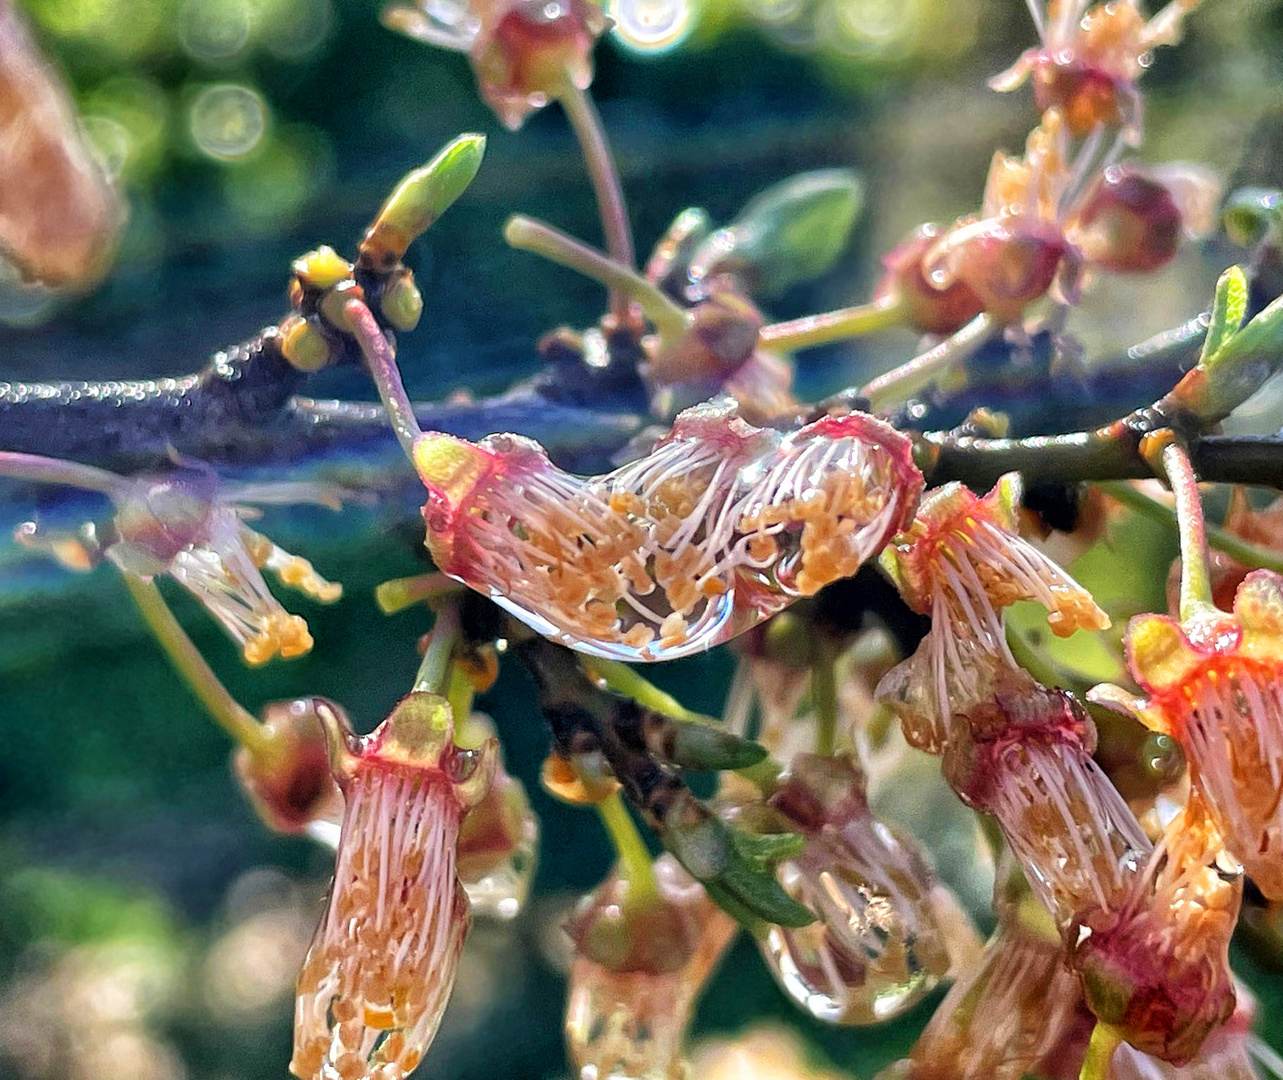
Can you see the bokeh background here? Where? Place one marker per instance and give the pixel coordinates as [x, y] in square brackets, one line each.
[150, 929]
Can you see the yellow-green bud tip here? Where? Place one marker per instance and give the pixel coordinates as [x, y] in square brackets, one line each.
[424, 195]
[448, 466]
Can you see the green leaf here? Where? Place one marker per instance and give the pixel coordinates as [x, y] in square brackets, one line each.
[708, 746]
[790, 233]
[1229, 309]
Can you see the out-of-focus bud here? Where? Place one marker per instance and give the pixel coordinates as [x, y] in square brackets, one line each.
[58, 214]
[722, 335]
[927, 307]
[288, 779]
[498, 840]
[1008, 262]
[639, 967]
[1129, 223]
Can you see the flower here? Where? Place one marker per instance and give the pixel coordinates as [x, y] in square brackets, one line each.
[523, 52]
[1090, 58]
[1215, 685]
[875, 948]
[183, 525]
[382, 963]
[1156, 965]
[1019, 1013]
[963, 561]
[720, 526]
[1024, 756]
[1226, 1055]
[639, 967]
[288, 779]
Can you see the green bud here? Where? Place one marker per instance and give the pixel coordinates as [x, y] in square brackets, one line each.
[1252, 214]
[422, 197]
[402, 303]
[709, 747]
[790, 233]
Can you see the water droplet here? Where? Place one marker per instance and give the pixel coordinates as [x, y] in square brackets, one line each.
[228, 121]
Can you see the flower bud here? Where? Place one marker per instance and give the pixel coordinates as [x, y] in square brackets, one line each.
[927, 307]
[1129, 223]
[288, 780]
[527, 50]
[638, 969]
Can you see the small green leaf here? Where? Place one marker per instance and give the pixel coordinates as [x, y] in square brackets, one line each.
[1229, 309]
[761, 893]
[790, 233]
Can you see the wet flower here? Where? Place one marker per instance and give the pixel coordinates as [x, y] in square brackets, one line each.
[1156, 965]
[720, 526]
[639, 967]
[1019, 1014]
[1214, 685]
[288, 778]
[1090, 58]
[875, 948]
[1024, 756]
[381, 966]
[929, 307]
[523, 52]
[963, 561]
[1226, 1055]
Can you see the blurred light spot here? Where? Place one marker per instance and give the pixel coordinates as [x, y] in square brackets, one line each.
[292, 29]
[651, 25]
[253, 966]
[775, 12]
[213, 29]
[228, 121]
[133, 107]
[282, 179]
[123, 27]
[872, 26]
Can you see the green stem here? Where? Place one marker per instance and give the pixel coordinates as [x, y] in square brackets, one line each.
[625, 680]
[582, 114]
[399, 593]
[902, 382]
[47, 470]
[1250, 555]
[381, 361]
[635, 865]
[1196, 579]
[1105, 1039]
[460, 696]
[527, 234]
[226, 711]
[824, 695]
[840, 325]
[434, 669]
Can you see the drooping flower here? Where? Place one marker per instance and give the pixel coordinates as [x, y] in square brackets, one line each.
[1156, 964]
[876, 947]
[1226, 1055]
[1090, 58]
[523, 52]
[1019, 1014]
[638, 970]
[184, 524]
[1215, 685]
[963, 561]
[720, 526]
[288, 778]
[382, 964]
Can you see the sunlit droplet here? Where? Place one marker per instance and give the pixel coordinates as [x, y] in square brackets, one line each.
[651, 25]
[228, 121]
